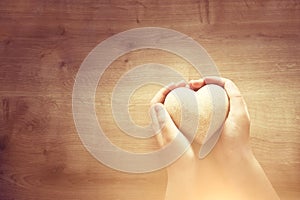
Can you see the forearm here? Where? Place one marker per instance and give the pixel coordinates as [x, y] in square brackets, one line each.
[250, 181]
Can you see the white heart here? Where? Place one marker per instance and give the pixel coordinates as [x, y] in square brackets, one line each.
[209, 105]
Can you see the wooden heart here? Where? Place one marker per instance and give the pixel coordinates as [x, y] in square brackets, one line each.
[209, 105]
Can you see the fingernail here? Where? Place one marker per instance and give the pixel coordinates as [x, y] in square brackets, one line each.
[196, 83]
[155, 123]
[158, 109]
[157, 112]
[230, 84]
[152, 111]
[161, 115]
[170, 84]
[211, 79]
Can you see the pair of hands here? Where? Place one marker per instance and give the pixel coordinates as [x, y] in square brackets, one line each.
[235, 134]
[230, 171]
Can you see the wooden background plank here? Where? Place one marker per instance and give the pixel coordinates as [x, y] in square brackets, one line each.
[42, 44]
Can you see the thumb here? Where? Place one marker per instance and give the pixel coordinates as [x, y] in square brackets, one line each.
[163, 124]
[166, 132]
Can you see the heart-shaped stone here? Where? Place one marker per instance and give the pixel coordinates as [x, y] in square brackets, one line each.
[209, 105]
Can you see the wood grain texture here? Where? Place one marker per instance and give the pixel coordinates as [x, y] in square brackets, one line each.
[42, 44]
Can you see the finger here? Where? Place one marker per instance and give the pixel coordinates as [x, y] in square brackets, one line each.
[181, 83]
[230, 88]
[237, 103]
[163, 92]
[159, 97]
[196, 84]
[215, 80]
[168, 129]
[156, 125]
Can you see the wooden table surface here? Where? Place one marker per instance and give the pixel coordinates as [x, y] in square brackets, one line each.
[43, 43]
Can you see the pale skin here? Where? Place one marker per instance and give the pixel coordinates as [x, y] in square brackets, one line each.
[230, 171]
